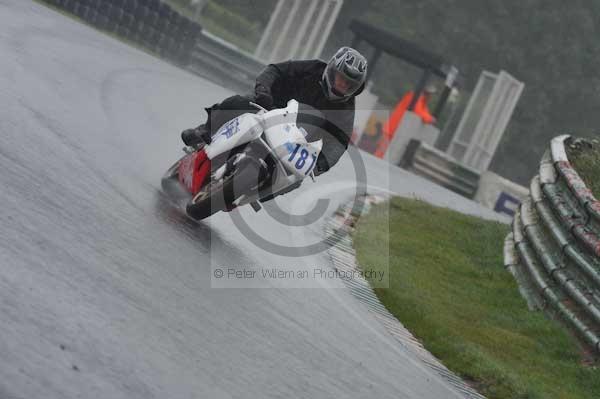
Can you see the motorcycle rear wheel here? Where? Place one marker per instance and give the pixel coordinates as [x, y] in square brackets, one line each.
[220, 195]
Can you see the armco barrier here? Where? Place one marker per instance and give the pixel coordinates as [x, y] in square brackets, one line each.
[554, 249]
[214, 56]
[437, 166]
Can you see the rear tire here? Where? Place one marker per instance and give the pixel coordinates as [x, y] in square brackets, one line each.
[220, 195]
[170, 176]
[173, 170]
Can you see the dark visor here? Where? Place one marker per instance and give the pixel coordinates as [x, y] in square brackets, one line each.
[341, 85]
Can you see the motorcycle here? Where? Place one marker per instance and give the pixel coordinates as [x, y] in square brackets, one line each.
[250, 159]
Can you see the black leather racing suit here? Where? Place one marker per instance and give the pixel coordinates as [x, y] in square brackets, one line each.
[299, 80]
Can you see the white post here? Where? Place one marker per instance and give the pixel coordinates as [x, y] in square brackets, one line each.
[330, 22]
[302, 30]
[485, 128]
[285, 30]
[505, 103]
[459, 140]
[315, 31]
[482, 127]
[267, 33]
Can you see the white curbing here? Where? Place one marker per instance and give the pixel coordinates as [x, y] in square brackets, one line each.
[343, 258]
[557, 146]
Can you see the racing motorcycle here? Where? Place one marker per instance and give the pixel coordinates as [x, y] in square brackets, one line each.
[250, 159]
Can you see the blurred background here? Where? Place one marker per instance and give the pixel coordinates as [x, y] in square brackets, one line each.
[464, 93]
[551, 46]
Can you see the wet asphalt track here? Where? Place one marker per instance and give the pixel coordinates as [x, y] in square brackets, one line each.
[105, 290]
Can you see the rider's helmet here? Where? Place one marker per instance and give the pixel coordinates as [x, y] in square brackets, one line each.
[344, 74]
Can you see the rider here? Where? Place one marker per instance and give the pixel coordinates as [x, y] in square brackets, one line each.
[329, 87]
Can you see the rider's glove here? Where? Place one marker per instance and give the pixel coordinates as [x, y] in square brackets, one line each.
[189, 136]
[263, 97]
[322, 165]
[196, 135]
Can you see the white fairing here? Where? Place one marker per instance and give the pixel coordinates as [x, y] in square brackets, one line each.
[289, 144]
[240, 130]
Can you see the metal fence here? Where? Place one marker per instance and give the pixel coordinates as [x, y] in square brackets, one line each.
[554, 249]
[226, 65]
[149, 23]
[437, 166]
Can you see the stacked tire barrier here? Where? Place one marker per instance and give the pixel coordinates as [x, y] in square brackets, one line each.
[553, 250]
[150, 23]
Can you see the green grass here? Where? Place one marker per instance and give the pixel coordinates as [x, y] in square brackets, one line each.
[586, 161]
[447, 285]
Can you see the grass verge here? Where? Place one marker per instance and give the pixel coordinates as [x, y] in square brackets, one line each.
[586, 161]
[448, 286]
